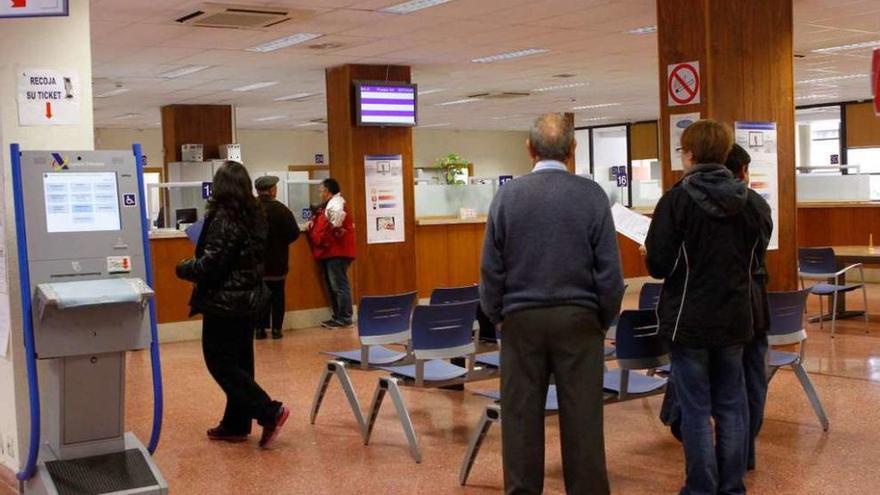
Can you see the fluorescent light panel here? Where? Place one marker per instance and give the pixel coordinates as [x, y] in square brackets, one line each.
[832, 78]
[412, 6]
[307, 124]
[259, 85]
[847, 47]
[597, 105]
[643, 30]
[446, 124]
[112, 92]
[183, 71]
[459, 102]
[594, 119]
[559, 87]
[430, 91]
[294, 39]
[297, 96]
[126, 116]
[509, 55]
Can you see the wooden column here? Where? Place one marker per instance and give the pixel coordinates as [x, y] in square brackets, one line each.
[208, 125]
[569, 118]
[746, 62]
[380, 268]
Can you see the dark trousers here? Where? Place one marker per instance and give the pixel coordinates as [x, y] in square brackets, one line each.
[755, 374]
[228, 347]
[273, 315]
[567, 342]
[755, 370]
[710, 384]
[338, 288]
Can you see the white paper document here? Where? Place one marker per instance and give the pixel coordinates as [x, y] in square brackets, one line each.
[630, 224]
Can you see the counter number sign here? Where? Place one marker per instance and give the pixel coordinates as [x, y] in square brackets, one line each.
[683, 83]
[207, 189]
[504, 179]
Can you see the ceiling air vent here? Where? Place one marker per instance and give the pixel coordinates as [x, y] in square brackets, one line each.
[499, 95]
[241, 16]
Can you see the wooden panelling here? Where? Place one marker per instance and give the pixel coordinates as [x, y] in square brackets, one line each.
[569, 119]
[304, 288]
[746, 65]
[448, 255]
[838, 226]
[631, 260]
[380, 268]
[208, 125]
[862, 126]
[643, 141]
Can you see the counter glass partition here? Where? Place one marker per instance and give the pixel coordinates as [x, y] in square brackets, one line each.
[449, 200]
[610, 160]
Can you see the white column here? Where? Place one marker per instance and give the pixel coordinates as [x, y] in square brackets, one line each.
[39, 43]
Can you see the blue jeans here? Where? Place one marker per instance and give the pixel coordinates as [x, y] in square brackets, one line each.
[338, 288]
[710, 383]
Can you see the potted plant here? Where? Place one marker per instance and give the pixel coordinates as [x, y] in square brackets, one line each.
[452, 165]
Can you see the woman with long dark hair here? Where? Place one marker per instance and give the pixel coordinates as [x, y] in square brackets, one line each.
[229, 293]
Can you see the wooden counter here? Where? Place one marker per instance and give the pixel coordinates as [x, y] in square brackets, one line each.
[304, 289]
[843, 224]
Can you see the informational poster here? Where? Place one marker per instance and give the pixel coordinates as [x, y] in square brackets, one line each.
[384, 198]
[33, 8]
[759, 139]
[48, 97]
[677, 124]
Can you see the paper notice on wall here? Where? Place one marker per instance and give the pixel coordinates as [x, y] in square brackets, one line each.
[759, 140]
[48, 97]
[630, 224]
[383, 192]
[677, 124]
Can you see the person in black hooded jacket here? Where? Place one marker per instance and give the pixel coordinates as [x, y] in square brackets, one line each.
[229, 292]
[704, 241]
[755, 352]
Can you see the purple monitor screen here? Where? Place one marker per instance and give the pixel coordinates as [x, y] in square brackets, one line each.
[387, 105]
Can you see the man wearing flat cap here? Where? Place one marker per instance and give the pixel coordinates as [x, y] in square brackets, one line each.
[283, 230]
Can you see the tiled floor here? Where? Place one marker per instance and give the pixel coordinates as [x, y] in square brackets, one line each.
[795, 456]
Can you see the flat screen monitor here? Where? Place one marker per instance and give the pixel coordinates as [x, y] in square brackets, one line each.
[81, 202]
[385, 103]
[186, 215]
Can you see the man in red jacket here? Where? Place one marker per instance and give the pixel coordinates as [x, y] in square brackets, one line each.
[331, 234]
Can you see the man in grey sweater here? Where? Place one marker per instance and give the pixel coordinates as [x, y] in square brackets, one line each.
[552, 283]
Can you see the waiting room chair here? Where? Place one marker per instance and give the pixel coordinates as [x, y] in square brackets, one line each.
[638, 347]
[787, 328]
[649, 295]
[821, 264]
[382, 320]
[438, 333]
[450, 295]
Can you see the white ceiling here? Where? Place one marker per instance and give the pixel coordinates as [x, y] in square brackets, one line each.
[133, 41]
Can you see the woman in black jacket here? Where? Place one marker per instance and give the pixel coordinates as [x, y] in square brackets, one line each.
[229, 293]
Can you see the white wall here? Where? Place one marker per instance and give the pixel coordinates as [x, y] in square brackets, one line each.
[493, 153]
[61, 42]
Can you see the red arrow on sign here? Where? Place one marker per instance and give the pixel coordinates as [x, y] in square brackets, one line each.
[48, 109]
[19, 4]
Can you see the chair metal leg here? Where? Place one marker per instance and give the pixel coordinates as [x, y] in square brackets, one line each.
[821, 313]
[492, 414]
[337, 368]
[624, 385]
[389, 385]
[833, 313]
[807, 385]
[865, 301]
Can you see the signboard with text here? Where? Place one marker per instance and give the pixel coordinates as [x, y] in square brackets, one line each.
[48, 97]
[33, 8]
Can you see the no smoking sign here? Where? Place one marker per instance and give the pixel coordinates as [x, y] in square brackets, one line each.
[683, 83]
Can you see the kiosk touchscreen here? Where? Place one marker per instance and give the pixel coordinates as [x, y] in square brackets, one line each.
[86, 301]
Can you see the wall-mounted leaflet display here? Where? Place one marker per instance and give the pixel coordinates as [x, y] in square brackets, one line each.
[384, 199]
[81, 201]
[759, 139]
[385, 103]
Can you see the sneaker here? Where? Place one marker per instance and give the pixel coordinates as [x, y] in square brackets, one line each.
[276, 334]
[328, 323]
[220, 434]
[270, 432]
[260, 334]
[337, 324]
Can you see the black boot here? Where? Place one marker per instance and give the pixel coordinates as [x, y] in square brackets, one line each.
[260, 334]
